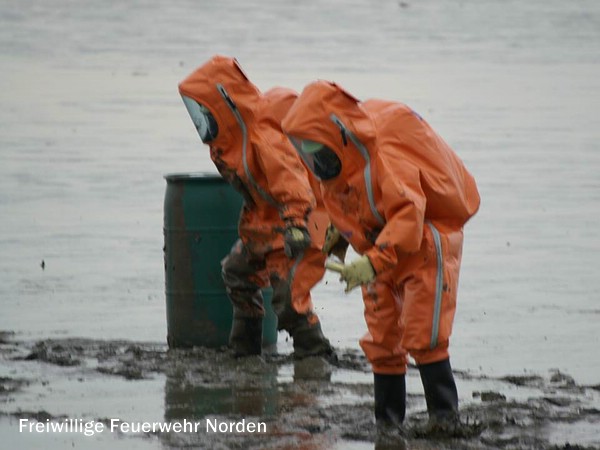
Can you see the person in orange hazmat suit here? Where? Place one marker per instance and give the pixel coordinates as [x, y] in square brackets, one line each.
[400, 196]
[280, 228]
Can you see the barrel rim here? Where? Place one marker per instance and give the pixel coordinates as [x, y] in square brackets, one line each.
[194, 176]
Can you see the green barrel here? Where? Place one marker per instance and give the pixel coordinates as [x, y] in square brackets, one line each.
[200, 226]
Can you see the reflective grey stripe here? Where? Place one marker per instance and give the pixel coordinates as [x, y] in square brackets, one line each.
[242, 125]
[367, 173]
[439, 285]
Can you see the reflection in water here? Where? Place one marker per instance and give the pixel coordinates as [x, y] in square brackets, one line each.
[204, 386]
[251, 393]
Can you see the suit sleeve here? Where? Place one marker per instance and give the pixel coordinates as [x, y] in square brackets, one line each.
[287, 181]
[403, 205]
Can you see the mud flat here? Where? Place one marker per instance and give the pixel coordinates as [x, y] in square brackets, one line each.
[132, 389]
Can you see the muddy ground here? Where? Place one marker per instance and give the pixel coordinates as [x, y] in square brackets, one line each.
[307, 404]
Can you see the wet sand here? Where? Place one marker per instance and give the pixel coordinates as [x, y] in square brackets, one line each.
[308, 404]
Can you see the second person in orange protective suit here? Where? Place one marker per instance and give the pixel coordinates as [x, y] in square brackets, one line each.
[280, 228]
[400, 196]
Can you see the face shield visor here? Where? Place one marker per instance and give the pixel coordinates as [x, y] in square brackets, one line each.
[320, 159]
[204, 121]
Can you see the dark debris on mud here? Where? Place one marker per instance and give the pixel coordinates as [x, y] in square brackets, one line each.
[9, 385]
[309, 408]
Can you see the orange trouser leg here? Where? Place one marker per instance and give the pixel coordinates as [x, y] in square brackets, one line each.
[382, 343]
[292, 280]
[416, 315]
[429, 299]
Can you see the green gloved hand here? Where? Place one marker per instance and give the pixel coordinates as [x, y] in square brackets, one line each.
[335, 244]
[296, 240]
[358, 272]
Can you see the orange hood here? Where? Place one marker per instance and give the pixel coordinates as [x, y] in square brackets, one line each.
[209, 85]
[340, 122]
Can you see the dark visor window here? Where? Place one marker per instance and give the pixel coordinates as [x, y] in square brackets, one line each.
[327, 165]
[321, 160]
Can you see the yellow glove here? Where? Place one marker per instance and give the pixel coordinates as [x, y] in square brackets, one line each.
[335, 244]
[360, 271]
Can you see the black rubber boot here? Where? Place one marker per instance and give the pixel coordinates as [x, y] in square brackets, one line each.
[440, 391]
[390, 399]
[246, 336]
[310, 341]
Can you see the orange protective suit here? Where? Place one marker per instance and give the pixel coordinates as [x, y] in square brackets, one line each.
[252, 154]
[402, 198]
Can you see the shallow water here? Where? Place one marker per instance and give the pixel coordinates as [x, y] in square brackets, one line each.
[91, 121]
[308, 404]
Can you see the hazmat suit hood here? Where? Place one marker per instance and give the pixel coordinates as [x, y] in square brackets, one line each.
[221, 86]
[328, 114]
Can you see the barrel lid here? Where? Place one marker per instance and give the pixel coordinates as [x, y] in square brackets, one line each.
[192, 176]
